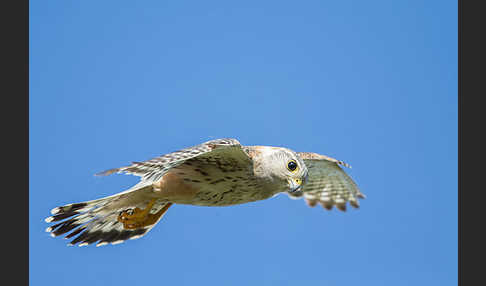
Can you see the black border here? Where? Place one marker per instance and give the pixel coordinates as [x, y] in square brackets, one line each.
[471, 63]
[15, 138]
[459, 143]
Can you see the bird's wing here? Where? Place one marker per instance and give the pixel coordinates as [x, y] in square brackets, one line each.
[152, 170]
[328, 184]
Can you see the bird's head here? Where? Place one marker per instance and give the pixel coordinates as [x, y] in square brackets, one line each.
[285, 166]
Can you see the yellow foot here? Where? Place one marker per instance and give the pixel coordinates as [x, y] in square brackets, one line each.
[140, 218]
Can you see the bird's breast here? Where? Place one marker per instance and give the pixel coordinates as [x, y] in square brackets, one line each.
[231, 188]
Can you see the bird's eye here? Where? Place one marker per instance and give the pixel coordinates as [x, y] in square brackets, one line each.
[292, 165]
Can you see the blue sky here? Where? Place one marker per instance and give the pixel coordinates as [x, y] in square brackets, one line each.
[373, 83]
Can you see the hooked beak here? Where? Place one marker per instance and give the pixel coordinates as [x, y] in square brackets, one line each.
[295, 185]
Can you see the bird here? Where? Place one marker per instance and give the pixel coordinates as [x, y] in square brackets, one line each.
[219, 172]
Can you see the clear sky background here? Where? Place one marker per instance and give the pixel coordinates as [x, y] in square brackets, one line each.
[373, 83]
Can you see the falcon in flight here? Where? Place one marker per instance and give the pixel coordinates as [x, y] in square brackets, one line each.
[219, 172]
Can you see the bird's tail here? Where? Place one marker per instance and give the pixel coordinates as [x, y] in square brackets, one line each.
[114, 219]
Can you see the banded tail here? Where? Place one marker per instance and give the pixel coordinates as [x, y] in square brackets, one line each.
[114, 219]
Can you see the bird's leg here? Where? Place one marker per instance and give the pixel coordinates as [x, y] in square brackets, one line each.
[141, 217]
[153, 218]
[136, 215]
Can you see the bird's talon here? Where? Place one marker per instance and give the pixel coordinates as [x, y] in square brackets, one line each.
[134, 218]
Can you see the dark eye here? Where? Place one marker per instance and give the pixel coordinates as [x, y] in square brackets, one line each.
[292, 165]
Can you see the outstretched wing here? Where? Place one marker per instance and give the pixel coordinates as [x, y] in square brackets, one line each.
[152, 170]
[328, 184]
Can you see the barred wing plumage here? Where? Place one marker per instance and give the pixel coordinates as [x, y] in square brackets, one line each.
[152, 170]
[328, 184]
